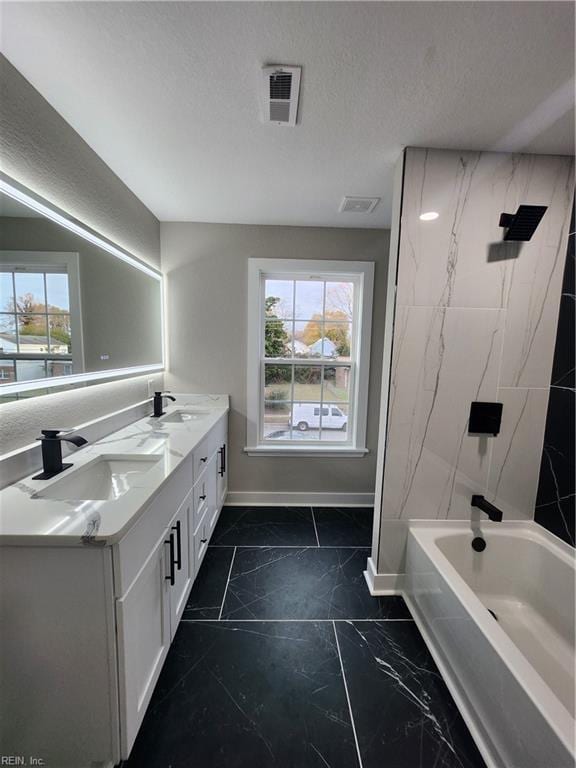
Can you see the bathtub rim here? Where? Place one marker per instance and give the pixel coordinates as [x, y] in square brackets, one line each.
[425, 533]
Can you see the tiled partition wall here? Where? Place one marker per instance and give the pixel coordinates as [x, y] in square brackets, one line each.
[475, 320]
[555, 503]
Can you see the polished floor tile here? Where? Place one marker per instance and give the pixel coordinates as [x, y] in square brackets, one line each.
[207, 593]
[292, 583]
[265, 526]
[249, 695]
[403, 713]
[344, 526]
[267, 684]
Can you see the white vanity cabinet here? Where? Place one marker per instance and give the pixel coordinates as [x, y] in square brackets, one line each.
[149, 612]
[98, 619]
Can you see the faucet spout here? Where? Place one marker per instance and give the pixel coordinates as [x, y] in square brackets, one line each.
[51, 441]
[493, 512]
[75, 440]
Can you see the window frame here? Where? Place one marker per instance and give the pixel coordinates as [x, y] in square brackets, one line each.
[50, 262]
[362, 274]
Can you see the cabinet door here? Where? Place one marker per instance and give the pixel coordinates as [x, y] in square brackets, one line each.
[180, 577]
[143, 625]
[222, 473]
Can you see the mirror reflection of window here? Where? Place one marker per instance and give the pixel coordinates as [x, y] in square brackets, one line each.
[35, 322]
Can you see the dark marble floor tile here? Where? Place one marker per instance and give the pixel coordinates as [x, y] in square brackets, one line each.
[208, 591]
[344, 526]
[265, 526]
[252, 695]
[296, 583]
[403, 713]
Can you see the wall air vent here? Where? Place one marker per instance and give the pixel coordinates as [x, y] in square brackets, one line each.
[280, 91]
[359, 204]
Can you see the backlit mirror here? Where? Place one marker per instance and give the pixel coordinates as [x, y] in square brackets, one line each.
[74, 308]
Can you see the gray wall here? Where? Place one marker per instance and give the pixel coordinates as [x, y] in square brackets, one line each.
[40, 150]
[206, 269]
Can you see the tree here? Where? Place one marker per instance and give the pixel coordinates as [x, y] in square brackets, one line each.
[334, 329]
[275, 337]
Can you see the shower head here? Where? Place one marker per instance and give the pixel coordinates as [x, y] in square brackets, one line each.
[522, 224]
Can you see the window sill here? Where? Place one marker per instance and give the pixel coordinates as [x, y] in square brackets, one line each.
[324, 451]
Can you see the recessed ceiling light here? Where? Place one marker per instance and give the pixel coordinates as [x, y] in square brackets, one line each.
[429, 216]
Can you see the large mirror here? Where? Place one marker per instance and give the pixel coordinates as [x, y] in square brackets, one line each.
[73, 308]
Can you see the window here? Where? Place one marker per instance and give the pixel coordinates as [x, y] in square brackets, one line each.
[308, 356]
[38, 302]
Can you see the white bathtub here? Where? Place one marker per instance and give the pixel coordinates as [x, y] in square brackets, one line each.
[512, 678]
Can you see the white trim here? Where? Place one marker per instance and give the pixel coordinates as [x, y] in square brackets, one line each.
[362, 273]
[462, 703]
[31, 200]
[298, 499]
[298, 450]
[383, 584]
[347, 696]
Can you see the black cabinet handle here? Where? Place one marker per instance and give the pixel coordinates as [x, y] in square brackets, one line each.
[178, 560]
[202, 497]
[203, 541]
[172, 577]
[222, 460]
[204, 459]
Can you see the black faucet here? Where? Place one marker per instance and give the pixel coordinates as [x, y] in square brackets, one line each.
[52, 452]
[159, 403]
[493, 512]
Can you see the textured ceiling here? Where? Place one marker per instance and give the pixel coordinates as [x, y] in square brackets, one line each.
[167, 94]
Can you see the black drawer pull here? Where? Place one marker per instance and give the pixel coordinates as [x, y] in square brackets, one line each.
[222, 460]
[204, 459]
[172, 577]
[203, 497]
[203, 541]
[178, 560]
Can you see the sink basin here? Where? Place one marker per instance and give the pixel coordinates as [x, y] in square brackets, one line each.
[105, 478]
[183, 416]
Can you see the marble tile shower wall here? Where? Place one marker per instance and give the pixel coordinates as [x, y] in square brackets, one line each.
[555, 503]
[475, 320]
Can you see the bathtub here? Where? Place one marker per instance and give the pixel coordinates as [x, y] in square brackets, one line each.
[511, 672]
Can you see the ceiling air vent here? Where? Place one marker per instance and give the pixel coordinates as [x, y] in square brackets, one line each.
[359, 204]
[281, 87]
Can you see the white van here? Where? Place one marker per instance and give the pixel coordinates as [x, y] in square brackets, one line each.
[307, 416]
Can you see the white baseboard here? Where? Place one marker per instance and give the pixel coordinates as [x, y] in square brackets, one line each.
[381, 584]
[298, 499]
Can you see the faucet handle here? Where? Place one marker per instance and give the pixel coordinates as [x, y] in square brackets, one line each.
[53, 433]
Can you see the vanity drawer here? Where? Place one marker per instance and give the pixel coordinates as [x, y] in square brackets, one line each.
[131, 552]
[201, 456]
[200, 503]
[201, 539]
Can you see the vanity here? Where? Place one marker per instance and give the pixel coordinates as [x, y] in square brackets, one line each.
[96, 565]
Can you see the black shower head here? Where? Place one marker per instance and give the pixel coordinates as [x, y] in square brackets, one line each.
[522, 224]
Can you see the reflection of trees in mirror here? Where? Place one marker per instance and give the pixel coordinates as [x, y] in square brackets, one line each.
[32, 319]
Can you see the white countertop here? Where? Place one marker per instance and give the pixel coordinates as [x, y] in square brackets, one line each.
[26, 520]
